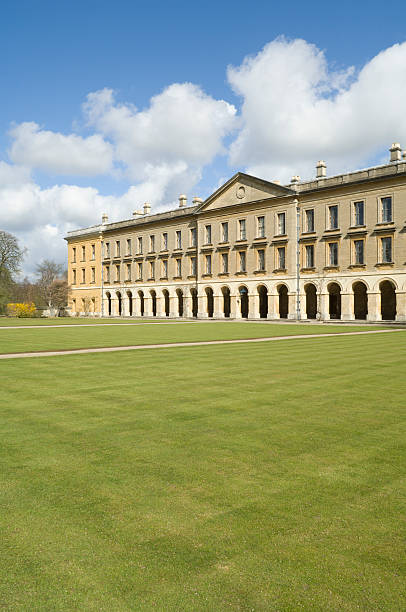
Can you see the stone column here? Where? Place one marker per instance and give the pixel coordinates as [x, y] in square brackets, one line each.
[347, 306]
[324, 306]
[237, 312]
[147, 305]
[400, 306]
[187, 306]
[173, 306]
[160, 306]
[253, 305]
[273, 306]
[374, 306]
[291, 305]
[202, 306]
[233, 306]
[218, 312]
[303, 314]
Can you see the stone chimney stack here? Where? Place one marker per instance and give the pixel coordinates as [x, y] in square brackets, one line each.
[395, 152]
[105, 218]
[295, 180]
[321, 169]
[147, 208]
[197, 201]
[137, 213]
[182, 201]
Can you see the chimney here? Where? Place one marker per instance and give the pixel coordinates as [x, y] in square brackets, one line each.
[182, 201]
[147, 208]
[295, 179]
[321, 169]
[137, 213]
[104, 218]
[395, 152]
[196, 201]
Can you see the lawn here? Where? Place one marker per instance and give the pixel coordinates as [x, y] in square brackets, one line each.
[19, 322]
[241, 477]
[22, 340]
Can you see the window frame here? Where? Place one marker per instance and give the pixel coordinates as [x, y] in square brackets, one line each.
[329, 226]
[242, 228]
[242, 258]
[261, 233]
[225, 236]
[306, 221]
[380, 199]
[354, 213]
[278, 215]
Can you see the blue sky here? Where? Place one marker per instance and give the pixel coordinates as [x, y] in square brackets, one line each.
[54, 54]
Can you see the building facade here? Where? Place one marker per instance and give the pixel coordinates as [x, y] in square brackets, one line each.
[330, 248]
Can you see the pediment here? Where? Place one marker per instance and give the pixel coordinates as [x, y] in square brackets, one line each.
[242, 189]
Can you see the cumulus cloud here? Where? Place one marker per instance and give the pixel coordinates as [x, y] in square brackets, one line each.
[57, 153]
[296, 109]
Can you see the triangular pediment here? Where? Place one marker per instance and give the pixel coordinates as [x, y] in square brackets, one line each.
[242, 189]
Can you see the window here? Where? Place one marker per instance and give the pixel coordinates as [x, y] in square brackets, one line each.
[93, 251]
[165, 268]
[359, 252]
[74, 277]
[260, 227]
[179, 267]
[107, 250]
[333, 217]
[386, 210]
[107, 274]
[117, 272]
[128, 246]
[310, 256]
[73, 254]
[310, 220]
[386, 244]
[208, 264]
[193, 237]
[193, 266]
[139, 271]
[165, 241]
[83, 253]
[128, 272]
[152, 269]
[83, 275]
[281, 218]
[281, 258]
[178, 239]
[140, 245]
[224, 263]
[243, 261]
[93, 275]
[243, 229]
[152, 244]
[261, 260]
[333, 253]
[359, 216]
[118, 248]
[224, 231]
[208, 234]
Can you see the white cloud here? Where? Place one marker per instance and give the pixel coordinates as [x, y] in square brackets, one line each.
[296, 110]
[57, 153]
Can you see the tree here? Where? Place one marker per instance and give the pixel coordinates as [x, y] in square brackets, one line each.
[11, 257]
[52, 285]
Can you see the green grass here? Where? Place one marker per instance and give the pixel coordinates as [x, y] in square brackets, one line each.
[22, 340]
[245, 477]
[16, 321]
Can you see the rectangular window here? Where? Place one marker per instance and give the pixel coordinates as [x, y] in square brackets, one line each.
[386, 204]
[310, 256]
[139, 271]
[118, 248]
[333, 253]
[224, 263]
[310, 220]
[128, 246]
[208, 234]
[93, 275]
[107, 274]
[73, 254]
[140, 245]
[152, 244]
[83, 275]
[107, 250]
[165, 241]
[74, 277]
[281, 258]
[152, 269]
[386, 249]
[359, 213]
[260, 227]
[208, 264]
[333, 216]
[243, 261]
[224, 231]
[281, 224]
[83, 253]
[117, 272]
[178, 239]
[165, 268]
[243, 229]
[179, 268]
[93, 251]
[359, 252]
[193, 266]
[128, 272]
[261, 260]
[193, 237]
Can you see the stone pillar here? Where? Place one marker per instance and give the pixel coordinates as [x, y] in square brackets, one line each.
[374, 306]
[237, 312]
[253, 306]
[147, 305]
[160, 306]
[291, 305]
[347, 306]
[218, 311]
[400, 306]
[187, 306]
[233, 306]
[324, 306]
[202, 306]
[303, 314]
[173, 306]
[273, 306]
[114, 306]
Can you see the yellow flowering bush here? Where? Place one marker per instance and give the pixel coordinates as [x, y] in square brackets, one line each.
[24, 309]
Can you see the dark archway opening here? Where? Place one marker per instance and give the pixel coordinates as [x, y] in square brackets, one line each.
[334, 301]
[120, 304]
[283, 302]
[360, 300]
[263, 301]
[244, 302]
[179, 293]
[108, 303]
[142, 305]
[311, 301]
[193, 293]
[166, 302]
[153, 299]
[226, 301]
[130, 303]
[388, 301]
[210, 301]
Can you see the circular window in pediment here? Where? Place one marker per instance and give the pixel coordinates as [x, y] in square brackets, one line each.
[240, 193]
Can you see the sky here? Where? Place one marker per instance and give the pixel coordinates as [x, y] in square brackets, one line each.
[106, 105]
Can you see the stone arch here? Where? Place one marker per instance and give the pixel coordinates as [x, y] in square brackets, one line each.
[153, 302]
[179, 294]
[263, 301]
[142, 302]
[387, 289]
[226, 301]
[334, 300]
[108, 296]
[209, 301]
[311, 300]
[244, 304]
[359, 290]
[195, 303]
[283, 301]
[120, 303]
[130, 303]
[165, 293]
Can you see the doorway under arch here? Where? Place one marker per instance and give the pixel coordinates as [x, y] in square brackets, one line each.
[263, 301]
[120, 303]
[243, 291]
[210, 301]
[388, 300]
[179, 294]
[108, 296]
[283, 301]
[334, 300]
[130, 303]
[311, 301]
[142, 304]
[153, 300]
[165, 293]
[360, 300]
[226, 301]
[193, 293]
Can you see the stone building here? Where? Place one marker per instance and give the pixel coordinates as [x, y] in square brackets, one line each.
[330, 248]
